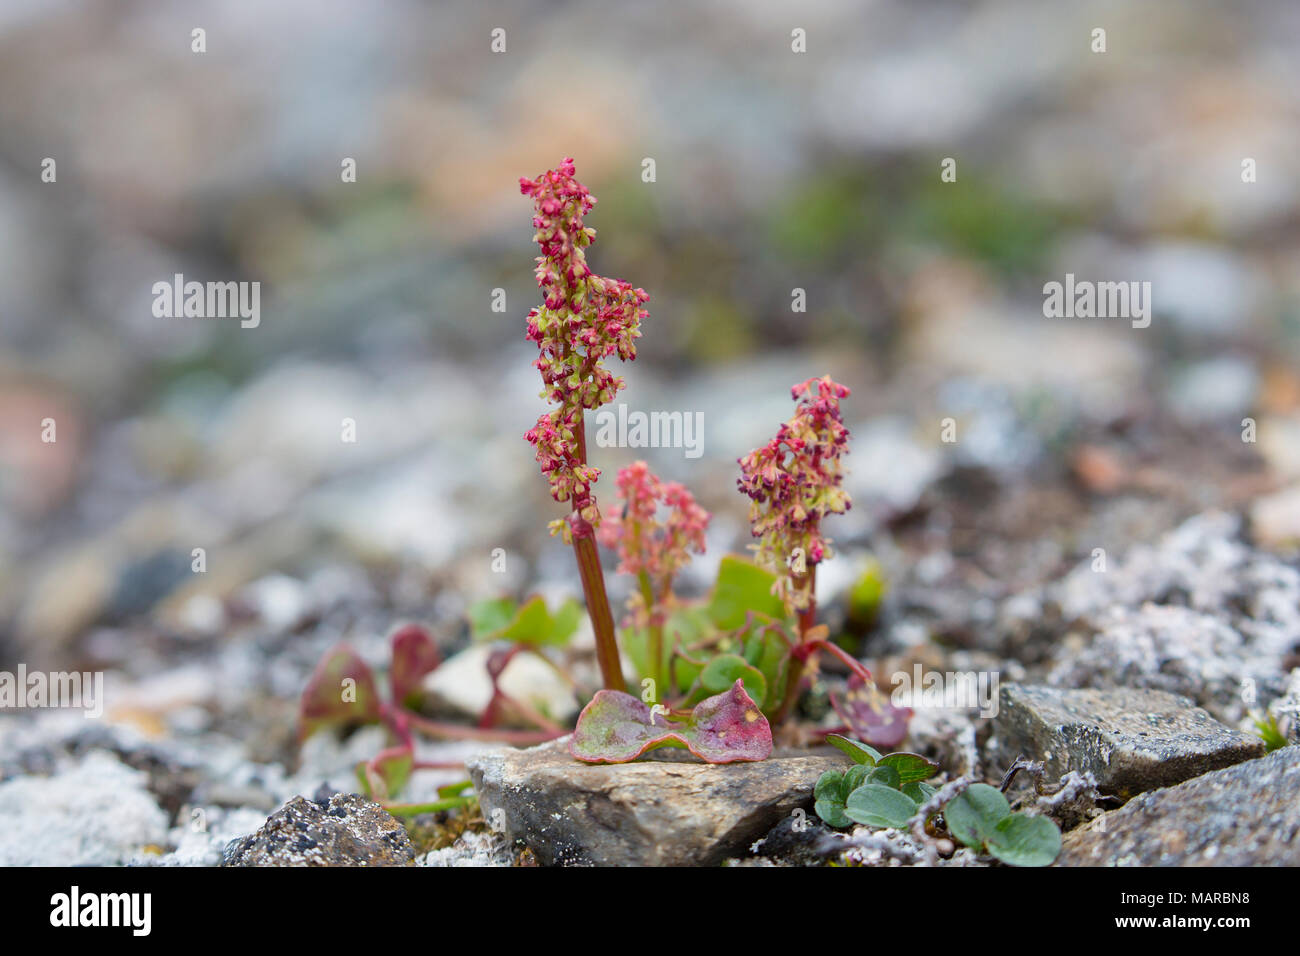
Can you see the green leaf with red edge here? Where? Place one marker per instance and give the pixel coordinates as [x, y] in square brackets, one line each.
[415, 655]
[616, 728]
[871, 715]
[383, 777]
[341, 693]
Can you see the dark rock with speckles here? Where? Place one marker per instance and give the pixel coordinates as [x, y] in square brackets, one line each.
[346, 830]
[668, 810]
[795, 840]
[1129, 740]
[1246, 815]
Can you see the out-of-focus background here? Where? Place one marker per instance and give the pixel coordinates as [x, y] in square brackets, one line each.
[774, 171]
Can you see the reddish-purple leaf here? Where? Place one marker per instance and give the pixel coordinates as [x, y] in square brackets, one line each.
[871, 715]
[341, 691]
[616, 727]
[729, 725]
[414, 656]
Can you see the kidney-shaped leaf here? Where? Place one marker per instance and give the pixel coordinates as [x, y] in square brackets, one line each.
[616, 727]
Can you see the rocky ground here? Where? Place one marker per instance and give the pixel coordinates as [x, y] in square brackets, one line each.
[1140, 676]
[1105, 517]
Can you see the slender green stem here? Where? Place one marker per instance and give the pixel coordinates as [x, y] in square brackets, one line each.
[437, 806]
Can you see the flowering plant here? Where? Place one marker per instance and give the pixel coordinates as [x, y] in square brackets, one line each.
[712, 671]
[651, 550]
[793, 482]
[583, 320]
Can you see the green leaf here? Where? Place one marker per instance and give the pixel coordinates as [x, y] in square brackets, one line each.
[974, 814]
[384, 778]
[487, 618]
[885, 776]
[859, 752]
[725, 669]
[910, 767]
[529, 623]
[832, 789]
[879, 806]
[454, 789]
[768, 649]
[1024, 840]
[918, 791]
[1269, 731]
[741, 587]
[616, 727]
[866, 593]
[832, 814]
[685, 670]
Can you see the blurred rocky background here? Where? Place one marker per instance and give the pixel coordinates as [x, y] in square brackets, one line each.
[774, 171]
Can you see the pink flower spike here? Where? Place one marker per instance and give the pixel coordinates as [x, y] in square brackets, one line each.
[794, 481]
[583, 320]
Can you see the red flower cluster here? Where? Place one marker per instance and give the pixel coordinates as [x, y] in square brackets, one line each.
[583, 320]
[645, 545]
[794, 481]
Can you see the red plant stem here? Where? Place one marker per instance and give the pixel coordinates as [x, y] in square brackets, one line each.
[602, 620]
[433, 728]
[593, 585]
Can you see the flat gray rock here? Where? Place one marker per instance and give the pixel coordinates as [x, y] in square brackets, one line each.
[1129, 740]
[1246, 815]
[670, 810]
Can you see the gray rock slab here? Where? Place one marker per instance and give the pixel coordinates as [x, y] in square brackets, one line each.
[1244, 815]
[1129, 740]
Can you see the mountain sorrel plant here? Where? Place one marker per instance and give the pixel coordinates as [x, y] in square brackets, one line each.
[758, 630]
[712, 671]
[583, 320]
[793, 482]
[653, 551]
